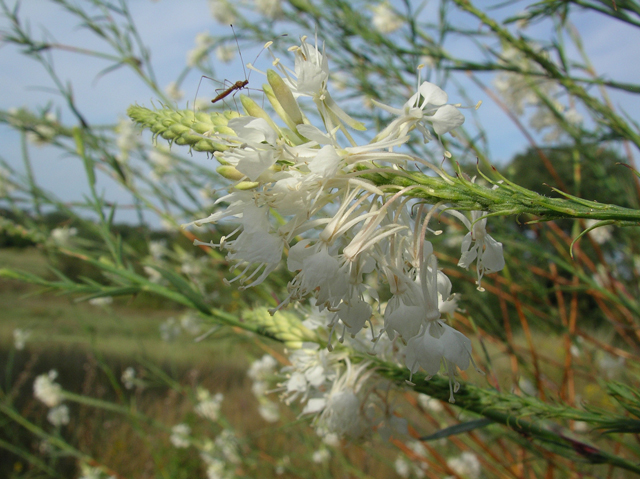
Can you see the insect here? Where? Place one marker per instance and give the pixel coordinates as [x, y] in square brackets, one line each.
[239, 85]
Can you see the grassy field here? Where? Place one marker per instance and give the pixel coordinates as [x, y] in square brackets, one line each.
[91, 345]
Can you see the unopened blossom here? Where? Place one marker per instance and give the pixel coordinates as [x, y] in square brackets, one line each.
[58, 415]
[47, 390]
[385, 19]
[180, 436]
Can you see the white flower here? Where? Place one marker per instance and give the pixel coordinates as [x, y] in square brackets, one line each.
[223, 11]
[227, 444]
[385, 20]
[208, 406]
[101, 301]
[46, 390]
[180, 436]
[269, 411]
[321, 456]
[427, 106]
[58, 415]
[416, 303]
[466, 465]
[191, 323]
[600, 235]
[128, 138]
[170, 329]
[270, 8]
[480, 246]
[20, 337]
[340, 411]
[157, 249]
[161, 161]
[429, 403]
[203, 42]
[439, 343]
[62, 236]
[173, 91]
[128, 377]
[226, 53]
[402, 466]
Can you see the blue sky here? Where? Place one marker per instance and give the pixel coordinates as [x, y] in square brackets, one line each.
[169, 29]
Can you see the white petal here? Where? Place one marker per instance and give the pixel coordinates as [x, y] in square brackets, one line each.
[493, 258]
[446, 119]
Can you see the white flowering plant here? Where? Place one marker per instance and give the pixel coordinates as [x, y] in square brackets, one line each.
[365, 249]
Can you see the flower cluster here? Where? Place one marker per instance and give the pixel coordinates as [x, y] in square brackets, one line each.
[49, 392]
[305, 192]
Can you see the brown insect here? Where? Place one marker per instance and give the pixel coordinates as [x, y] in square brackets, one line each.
[239, 85]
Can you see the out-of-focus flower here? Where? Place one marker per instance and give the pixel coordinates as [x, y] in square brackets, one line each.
[128, 138]
[223, 11]
[173, 91]
[269, 410]
[180, 436]
[203, 42]
[47, 390]
[601, 234]
[429, 403]
[385, 19]
[102, 301]
[62, 236]
[20, 337]
[58, 415]
[466, 465]
[128, 377]
[321, 456]
[170, 329]
[226, 53]
[208, 406]
[271, 9]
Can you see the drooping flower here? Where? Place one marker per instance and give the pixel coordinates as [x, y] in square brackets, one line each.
[427, 106]
[480, 246]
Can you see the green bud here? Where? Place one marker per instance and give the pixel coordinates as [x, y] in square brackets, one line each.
[283, 93]
[229, 172]
[246, 185]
